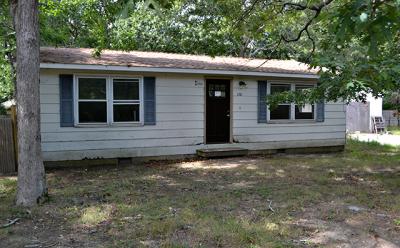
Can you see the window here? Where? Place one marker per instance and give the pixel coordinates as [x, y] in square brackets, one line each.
[126, 102]
[107, 100]
[282, 111]
[217, 91]
[291, 111]
[92, 100]
[305, 112]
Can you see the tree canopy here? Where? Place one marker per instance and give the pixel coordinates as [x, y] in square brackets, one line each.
[355, 43]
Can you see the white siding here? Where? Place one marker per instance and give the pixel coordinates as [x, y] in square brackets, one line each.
[375, 105]
[179, 117]
[180, 124]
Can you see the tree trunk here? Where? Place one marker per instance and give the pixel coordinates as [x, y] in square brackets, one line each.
[398, 109]
[31, 176]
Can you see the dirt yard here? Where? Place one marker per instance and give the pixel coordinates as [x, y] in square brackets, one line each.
[350, 199]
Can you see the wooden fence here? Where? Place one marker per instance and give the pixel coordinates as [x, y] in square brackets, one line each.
[358, 117]
[390, 117]
[8, 163]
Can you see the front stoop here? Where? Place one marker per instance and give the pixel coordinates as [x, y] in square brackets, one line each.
[222, 152]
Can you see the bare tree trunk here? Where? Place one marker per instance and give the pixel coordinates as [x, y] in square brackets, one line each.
[398, 108]
[31, 176]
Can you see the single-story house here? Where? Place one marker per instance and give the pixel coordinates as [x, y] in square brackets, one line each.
[149, 104]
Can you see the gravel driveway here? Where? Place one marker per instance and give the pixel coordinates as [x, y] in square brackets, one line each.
[384, 139]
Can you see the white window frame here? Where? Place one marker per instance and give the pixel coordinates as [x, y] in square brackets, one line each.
[127, 102]
[292, 105]
[109, 100]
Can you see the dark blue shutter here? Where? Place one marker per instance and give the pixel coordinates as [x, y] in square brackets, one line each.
[66, 101]
[149, 86]
[320, 111]
[262, 107]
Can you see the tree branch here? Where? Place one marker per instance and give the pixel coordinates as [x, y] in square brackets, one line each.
[287, 6]
[312, 40]
[295, 6]
[247, 12]
[10, 223]
[317, 8]
[313, 44]
[298, 6]
[304, 29]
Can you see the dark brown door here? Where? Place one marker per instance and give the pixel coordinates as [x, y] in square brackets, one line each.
[217, 111]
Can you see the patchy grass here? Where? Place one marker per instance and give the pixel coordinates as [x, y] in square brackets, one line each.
[394, 130]
[281, 201]
[95, 215]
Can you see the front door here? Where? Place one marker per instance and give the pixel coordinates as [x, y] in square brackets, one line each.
[217, 111]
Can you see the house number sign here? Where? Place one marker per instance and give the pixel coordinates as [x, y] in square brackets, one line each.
[198, 83]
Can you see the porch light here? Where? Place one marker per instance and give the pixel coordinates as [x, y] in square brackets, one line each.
[242, 85]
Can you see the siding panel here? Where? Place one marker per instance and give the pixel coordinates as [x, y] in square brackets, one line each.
[55, 127]
[246, 107]
[251, 115]
[289, 136]
[181, 91]
[266, 130]
[180, 108]
[180, 116]
[312, 125]
[50, 99]
[110, 144]
[49, 89]
[121, 135]
[47, 108]
[180, 99]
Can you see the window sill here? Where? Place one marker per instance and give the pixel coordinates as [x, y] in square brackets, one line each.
[109, 125]
[290, 121]
[126, 124]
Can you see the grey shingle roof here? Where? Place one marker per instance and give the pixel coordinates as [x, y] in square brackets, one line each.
[169, 60]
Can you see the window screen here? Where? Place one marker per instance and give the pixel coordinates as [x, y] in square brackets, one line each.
[306, 111]
[282, 111]
[126, 100]
[92, 100]
[126, 89]
[279, 88]
[92, 112]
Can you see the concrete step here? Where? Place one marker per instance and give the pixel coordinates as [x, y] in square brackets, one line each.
[222, 152]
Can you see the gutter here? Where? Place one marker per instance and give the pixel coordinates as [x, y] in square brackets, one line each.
[174, 70]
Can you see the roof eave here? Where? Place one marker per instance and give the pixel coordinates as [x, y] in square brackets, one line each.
[175, 70]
